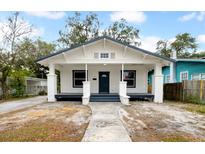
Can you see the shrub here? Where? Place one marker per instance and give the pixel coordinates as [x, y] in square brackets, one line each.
[17, 83]
[42, 92]
[193, 99]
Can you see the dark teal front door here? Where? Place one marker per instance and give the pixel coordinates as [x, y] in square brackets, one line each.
[104, 82]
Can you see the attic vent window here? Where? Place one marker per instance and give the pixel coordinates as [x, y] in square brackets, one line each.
[104, 55]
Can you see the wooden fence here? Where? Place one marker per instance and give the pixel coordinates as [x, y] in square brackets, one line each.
[185, 91]
[173, 91]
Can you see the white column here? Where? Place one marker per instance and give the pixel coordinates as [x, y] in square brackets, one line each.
[123, 89]
[158, 84]
[86, 88]
[172, 72]
[51, 83]
[86, 92]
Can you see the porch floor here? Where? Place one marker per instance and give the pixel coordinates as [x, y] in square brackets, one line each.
[100, 97]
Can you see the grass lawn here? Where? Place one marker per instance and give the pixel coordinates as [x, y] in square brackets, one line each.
[49, 122]
[47, 131]
[196, 108]
[167, 122]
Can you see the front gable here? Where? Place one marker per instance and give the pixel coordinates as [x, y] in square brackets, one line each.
[91, 53]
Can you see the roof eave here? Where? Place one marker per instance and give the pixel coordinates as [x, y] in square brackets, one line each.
[109, 38]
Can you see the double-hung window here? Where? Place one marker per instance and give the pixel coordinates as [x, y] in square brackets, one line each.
[183, 76]
[130, 78]
[78, 78]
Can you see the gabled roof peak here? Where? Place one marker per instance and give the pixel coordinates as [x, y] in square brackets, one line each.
[111, 39]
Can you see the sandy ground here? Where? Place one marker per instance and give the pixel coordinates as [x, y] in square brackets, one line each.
[75, 115]
[162, 122]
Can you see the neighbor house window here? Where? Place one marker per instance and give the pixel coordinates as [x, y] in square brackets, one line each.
[78, 78]
[196, 77]
[130, 78]
[202, 76]
[167, 78]
[184, 76]
[104, 55]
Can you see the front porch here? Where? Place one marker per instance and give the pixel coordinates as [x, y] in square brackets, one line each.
[111, 97]
[104, 83]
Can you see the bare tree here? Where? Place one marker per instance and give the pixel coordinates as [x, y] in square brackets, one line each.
[13, 30]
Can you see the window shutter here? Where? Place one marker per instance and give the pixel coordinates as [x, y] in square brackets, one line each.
[112, 56]
[96, 55]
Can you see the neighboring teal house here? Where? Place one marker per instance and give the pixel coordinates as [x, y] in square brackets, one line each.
[185, 69]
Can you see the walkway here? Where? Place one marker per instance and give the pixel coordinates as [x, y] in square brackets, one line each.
[105, 125]
[21, 104]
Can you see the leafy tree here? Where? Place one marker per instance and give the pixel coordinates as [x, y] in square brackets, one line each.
[28, 51]
[163, 48]
[184, 45]
[198, 55]
[79, 30]
[120, 30]
[13, 30]
[17, 82]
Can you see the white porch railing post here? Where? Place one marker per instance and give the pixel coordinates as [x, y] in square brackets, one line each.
[51, 83]
[158, 84]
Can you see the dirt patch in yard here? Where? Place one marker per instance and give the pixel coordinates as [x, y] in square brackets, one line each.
[162, 122]
[47, 122]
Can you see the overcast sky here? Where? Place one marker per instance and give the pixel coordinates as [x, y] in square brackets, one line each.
[153, 26]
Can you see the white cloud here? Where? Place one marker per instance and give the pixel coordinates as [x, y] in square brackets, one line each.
[188, 17]
[47, 14]
[199, 16]
[132, 17]
[37, 32]
[201, 38]
[149, 43]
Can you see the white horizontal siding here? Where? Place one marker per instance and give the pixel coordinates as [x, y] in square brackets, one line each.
[67, 83]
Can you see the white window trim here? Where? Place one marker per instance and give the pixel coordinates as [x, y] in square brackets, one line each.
[104, 53]
[182, 73]
[201, 76]
[166, 78]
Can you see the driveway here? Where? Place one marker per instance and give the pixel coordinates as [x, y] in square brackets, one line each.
[162, 122]
[21, 104]
[105, 124]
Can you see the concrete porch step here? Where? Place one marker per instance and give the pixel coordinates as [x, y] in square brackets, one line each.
[104, 98]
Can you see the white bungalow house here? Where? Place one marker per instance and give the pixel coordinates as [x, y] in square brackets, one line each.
[104, 66]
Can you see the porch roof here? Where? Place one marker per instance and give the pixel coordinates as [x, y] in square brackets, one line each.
[111, 39]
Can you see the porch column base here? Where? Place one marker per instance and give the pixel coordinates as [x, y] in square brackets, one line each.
[52, 88]
[123, 93]
[86, 93]
[85, 100]
[158, 88]
[124, 100]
